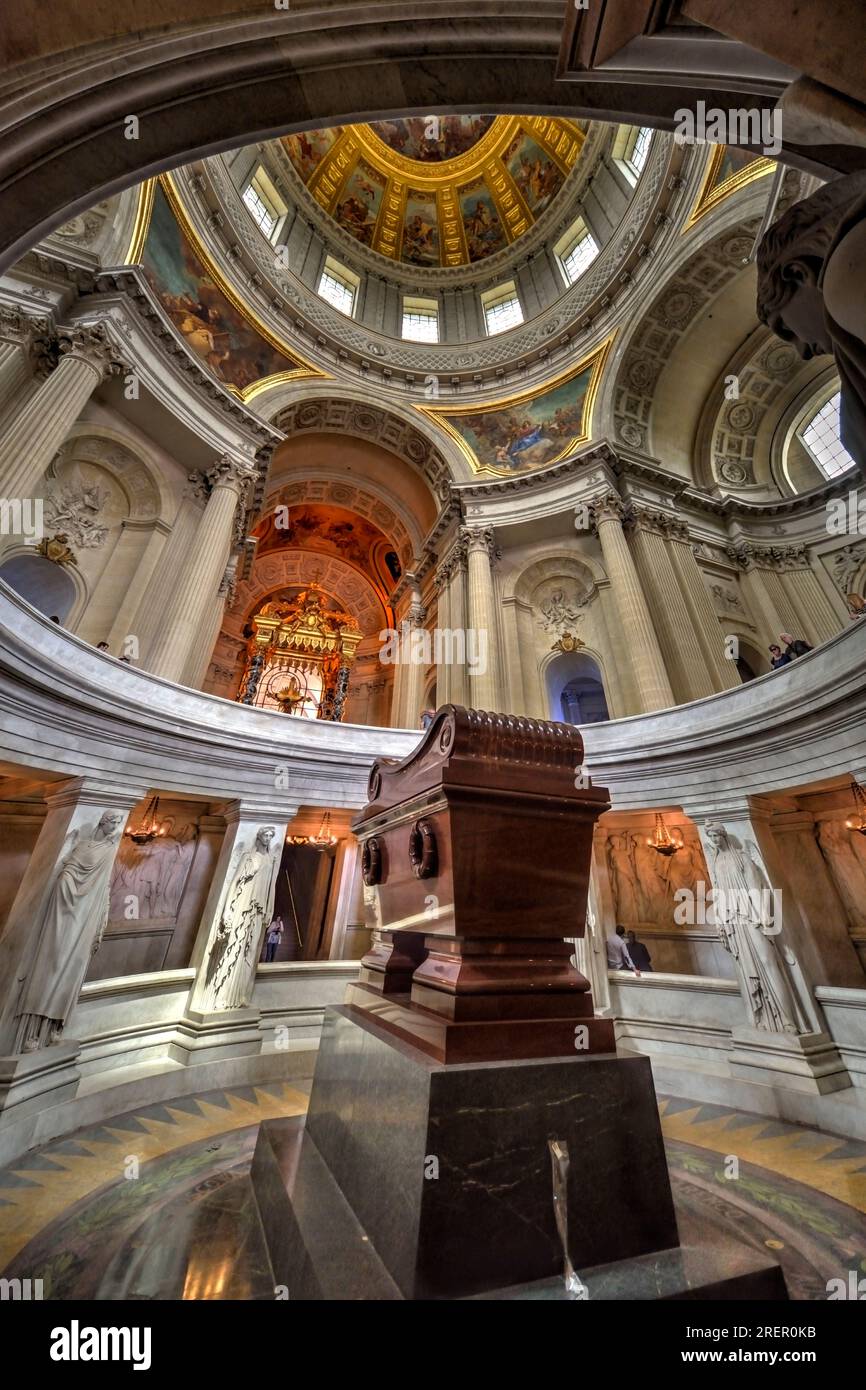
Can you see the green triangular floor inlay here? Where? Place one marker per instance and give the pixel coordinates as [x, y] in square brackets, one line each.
[711, 1112]
[39, 1162]
[8, 1180]
[219, 1098]
[740, 1121]
[128, 1123]
[243, 1093]
[157, 1112]
[773, 1131]
[188, 1105]
[71, 1147]
[98, 1136]
[849, 1149]
[675, 1105]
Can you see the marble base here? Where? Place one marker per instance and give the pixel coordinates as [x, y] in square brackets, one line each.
[320, 1251]
[447, 1171]
[808, 1062]
[214, 1036]
[29, 1081]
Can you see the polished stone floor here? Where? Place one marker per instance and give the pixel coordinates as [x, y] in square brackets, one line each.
[157, 1204]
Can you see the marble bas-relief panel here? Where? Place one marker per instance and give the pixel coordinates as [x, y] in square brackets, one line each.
[844, 853]
[643, 887]
[157, 893]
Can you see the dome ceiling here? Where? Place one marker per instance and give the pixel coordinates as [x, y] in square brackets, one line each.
[437, 190]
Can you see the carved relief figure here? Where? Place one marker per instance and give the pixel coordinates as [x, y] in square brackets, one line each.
[247, 909]
[644, 883]
[559, 615]
[745, 920]
[155, 874]
[847, 869]
[70, 930]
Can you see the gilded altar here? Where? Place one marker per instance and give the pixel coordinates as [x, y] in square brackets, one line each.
[300, 656]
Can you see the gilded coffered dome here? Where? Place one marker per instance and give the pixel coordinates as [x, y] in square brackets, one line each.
[437, 190]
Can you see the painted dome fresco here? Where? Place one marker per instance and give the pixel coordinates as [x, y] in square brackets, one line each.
[437, 190]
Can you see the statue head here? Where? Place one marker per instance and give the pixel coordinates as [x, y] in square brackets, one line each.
[110, 823]
[717, 835]
[791, 259]
[264, 838]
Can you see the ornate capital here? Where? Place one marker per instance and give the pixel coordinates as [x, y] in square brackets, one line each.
[608, 507]
[90, 345]
[662, 523]
[477, 538]
[18, 328]
[232, 473]
[748, 556]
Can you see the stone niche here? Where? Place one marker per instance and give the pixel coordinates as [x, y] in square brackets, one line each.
[158, 892]
[641, 887]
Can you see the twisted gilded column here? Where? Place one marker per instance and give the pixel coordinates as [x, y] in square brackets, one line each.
[651, 678]
[481, 614]
[37, 431]
[199, 580]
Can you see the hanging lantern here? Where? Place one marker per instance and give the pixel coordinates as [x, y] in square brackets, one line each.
[664, 841]
[149, 827]
[325, 838]
[857, 821]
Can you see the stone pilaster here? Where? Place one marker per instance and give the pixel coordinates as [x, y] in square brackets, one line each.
[678, 638]
[651, 678]
[197, 585]
[722, 671]
[412, 651]
[37, 431]
[444, 668]
[782, 588]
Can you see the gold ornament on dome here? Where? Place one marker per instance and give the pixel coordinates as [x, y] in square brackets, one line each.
[437, 190]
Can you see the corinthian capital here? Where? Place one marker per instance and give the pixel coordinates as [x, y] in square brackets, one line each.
[608, 507]
[476, 538]
[233, 473]
[89, 344]
[19, 328]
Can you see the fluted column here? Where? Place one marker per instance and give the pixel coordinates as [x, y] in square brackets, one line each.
[481, 612]
[199, 580]
[37, 431]
[651, 679]
[444, 668]
[415, 667]
[678, 638]
[17, 336]
[819, 620]
[790, 592]
[459, 681]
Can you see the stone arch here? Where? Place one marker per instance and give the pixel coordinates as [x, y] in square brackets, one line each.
[52, 589]
[559, 668]
[406, 432]
[146, 492]
[522, 583]
[388, 514]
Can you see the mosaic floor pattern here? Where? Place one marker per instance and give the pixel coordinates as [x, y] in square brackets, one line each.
[157, 1204]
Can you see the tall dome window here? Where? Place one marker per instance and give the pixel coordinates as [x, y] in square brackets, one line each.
[264, 203]
[820, 436]
[576, 251]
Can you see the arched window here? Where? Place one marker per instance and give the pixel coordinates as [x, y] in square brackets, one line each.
[820, 436]
[575, 690]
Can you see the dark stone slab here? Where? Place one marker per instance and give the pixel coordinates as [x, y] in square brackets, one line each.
[448, 1171]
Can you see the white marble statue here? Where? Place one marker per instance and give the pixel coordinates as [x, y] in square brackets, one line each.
[743, 903]
[70, 930]
[247, 909]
